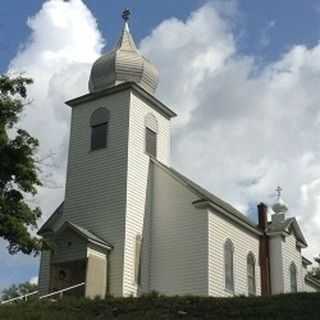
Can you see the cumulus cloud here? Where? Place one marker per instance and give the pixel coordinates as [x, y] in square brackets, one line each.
[64, 41]
[242, 130]
[63, 44]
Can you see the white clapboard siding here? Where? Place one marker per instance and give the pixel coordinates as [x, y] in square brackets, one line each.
[44, 272]
[68, 247]
[276, 265]
[290, 254]
[179, 244]
[137, 181]
[221, 229]
[96, 180]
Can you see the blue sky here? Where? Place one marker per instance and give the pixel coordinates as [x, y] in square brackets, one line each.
[265, 31]
[295, 21]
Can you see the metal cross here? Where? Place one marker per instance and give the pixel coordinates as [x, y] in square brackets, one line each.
[278, 190]
[126, 15]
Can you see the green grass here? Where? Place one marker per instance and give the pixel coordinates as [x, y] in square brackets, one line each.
[291, 307]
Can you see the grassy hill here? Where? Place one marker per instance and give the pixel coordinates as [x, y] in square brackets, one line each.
[298, 306]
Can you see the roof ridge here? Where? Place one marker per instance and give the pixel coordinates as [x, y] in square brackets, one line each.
[207, 194]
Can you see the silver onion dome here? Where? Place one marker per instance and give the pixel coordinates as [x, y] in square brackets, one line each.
[123, 64]
[279, 206]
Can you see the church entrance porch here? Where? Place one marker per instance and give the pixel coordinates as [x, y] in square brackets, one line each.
[78, 257]
[68, 274]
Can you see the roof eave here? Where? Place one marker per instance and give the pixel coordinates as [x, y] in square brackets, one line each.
[203, 204]
[162, 108]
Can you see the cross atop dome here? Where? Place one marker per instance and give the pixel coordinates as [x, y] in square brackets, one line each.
[280, 206]
[279, 190]
[124, 63]
[126, 14]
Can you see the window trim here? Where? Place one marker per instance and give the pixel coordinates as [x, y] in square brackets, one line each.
[106, 124]
[229, 248]
[147, 129]
[99, 117]
[251, 261]
[293, 276]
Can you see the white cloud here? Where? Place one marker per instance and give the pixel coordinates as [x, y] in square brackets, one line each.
[63, 44]
[241, 131]
[58, 55]
[34, 280]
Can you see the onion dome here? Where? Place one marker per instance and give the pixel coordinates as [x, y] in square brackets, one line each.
[123, 64]
[280, 206]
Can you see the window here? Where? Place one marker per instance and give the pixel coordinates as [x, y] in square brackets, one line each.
[251, 274]
[228, 265]
[137, 275]
[151, 142]
[293, 278]
[99, 128]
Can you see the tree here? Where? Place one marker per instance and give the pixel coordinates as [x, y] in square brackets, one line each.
[18, 169]
[18, 290]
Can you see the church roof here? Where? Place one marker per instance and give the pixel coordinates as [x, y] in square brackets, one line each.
[47, 226]
[285, 226]
[137, 89]
[205, 195]
[124, 63]
[84, 233]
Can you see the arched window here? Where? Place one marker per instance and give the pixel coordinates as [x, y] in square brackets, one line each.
[251, 274]
[151, 131]
[99, 128]
[293, 278]
[228, 265]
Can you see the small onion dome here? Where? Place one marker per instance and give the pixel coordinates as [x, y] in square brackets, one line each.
[280, 206]
[123, 64]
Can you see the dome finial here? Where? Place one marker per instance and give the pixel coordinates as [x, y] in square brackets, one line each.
[278, 191]
[280, 206]
[126, 15]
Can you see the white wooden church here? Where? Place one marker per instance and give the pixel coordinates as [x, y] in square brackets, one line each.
[131, 224]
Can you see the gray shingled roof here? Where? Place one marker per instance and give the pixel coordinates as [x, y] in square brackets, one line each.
[206, 195]
[85, 234]
[285, 226]
[52, 219]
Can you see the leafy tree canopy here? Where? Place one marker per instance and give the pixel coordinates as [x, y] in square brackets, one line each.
[18, 169]
[18, 290]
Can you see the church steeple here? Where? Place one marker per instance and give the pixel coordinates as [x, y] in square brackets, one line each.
[123, 64]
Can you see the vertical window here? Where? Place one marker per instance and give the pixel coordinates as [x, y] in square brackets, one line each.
[293, 278]
[151, 132]
[99, 128]
[228, 265]
[151, 142]
[251, 274]
[137, 267]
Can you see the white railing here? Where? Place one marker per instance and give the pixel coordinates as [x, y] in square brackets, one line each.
[49, 295]
[62, 291]
[23, 298]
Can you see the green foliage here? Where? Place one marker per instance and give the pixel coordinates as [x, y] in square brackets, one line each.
[18, 290]
[154, 307]
[18, 169]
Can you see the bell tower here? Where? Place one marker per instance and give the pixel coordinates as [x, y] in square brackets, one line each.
[115, 129]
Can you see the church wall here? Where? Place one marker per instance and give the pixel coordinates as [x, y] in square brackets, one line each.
[96, 180]
[179, 245]
[291, 254]
[138, 173]
[69, 247]
[44, 272]
[221, 229]
[276, 265]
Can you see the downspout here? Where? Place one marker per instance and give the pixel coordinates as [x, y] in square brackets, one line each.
[264, 251]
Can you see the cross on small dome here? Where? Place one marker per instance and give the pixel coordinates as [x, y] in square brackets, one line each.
[279, 190]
